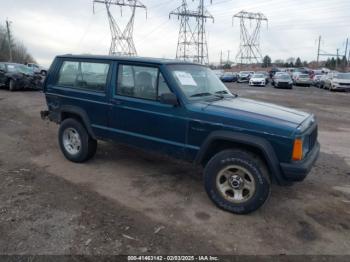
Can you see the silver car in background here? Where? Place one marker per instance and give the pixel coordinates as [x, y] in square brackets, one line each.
[302, 79]
[337, 81]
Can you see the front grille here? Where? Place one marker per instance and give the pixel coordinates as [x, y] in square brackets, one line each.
[313, 138]
[344, 84]
[283, 84]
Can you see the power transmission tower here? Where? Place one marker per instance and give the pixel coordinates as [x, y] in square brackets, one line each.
[192, 44]
[249, 49]
[9, 40]
[122, 42]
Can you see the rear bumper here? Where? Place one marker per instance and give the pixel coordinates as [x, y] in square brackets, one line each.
[298, 171]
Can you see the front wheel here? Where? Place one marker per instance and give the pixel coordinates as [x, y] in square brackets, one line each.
[236, 181]
[75, 142]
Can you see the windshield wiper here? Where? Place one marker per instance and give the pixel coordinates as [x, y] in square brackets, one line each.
[221, 92]
[201, 94]
[225, 92]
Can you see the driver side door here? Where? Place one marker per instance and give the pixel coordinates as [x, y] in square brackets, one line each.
[139, 118]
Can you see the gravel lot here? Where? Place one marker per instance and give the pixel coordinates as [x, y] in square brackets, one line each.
[125, 201]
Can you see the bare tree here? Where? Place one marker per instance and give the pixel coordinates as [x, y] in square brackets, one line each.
[19, 51]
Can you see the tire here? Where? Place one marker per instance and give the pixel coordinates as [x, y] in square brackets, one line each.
[230, 199]
[81, 147]
[12, 85]
[43, 73]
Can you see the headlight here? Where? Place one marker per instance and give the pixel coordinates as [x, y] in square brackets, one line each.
[290, 82]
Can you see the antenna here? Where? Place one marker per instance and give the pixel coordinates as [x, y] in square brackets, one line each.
[192, 43]
[249, 49]
[122, 42]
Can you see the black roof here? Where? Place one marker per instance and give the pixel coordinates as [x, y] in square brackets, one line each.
[128, 58]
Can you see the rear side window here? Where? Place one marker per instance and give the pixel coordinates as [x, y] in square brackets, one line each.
[84, 75]
[141, 82]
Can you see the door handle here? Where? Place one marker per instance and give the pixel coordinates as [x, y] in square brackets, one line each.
[117, 102]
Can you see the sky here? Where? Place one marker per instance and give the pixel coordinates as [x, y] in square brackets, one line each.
[53, 27]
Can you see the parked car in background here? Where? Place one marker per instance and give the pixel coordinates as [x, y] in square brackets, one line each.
[183, 110]
[243, 76]
[283, 81]
[276, 75]
[273, 71]
[17, 76]
[257, 80]
[316, 80]
[337, 81]
[322, 81]
[218, 73]
[37, 69]
[229, 77]
[301, 79]
[266, 74]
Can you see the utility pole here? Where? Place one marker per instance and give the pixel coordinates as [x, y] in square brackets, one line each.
[221, 58]
[9, 38]
[192, 43]
[250, 24]
[346, 51]
[228, 56]
[122, 42]
[336, 62]
[318, 50]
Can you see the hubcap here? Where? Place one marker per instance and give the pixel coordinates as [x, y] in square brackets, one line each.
[71, 141]
[235, 183]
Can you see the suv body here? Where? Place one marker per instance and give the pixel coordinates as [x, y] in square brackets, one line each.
[183, 110]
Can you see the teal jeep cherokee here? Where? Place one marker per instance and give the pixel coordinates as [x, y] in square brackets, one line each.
[183, 110]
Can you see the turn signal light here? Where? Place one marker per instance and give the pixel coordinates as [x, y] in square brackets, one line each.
[297, 150]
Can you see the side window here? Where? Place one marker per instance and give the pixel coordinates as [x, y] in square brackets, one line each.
[85, 75]
[2, 67]
[137, 81]
[163, 87]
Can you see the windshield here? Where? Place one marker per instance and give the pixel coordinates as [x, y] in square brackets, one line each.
[19, 68]
[244, 72]
[285, 77]
[258, 76]
[198, 81]
[303, 76]
[342, 76]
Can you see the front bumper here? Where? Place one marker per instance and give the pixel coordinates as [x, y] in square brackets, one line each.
[298, 171]
[257, 83]
[341, 87]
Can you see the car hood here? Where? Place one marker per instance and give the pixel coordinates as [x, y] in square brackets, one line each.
[252, 114]
[342, 80]
[258, 79]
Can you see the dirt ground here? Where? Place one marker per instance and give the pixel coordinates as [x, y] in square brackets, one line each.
[125, 201]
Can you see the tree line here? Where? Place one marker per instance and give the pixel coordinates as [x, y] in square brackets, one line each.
[331, 63]
[19, 52]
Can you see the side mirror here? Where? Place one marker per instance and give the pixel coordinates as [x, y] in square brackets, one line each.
[169, 99]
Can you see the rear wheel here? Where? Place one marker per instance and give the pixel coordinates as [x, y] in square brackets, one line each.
[75, 142]
[12, 85]
[237, 181]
